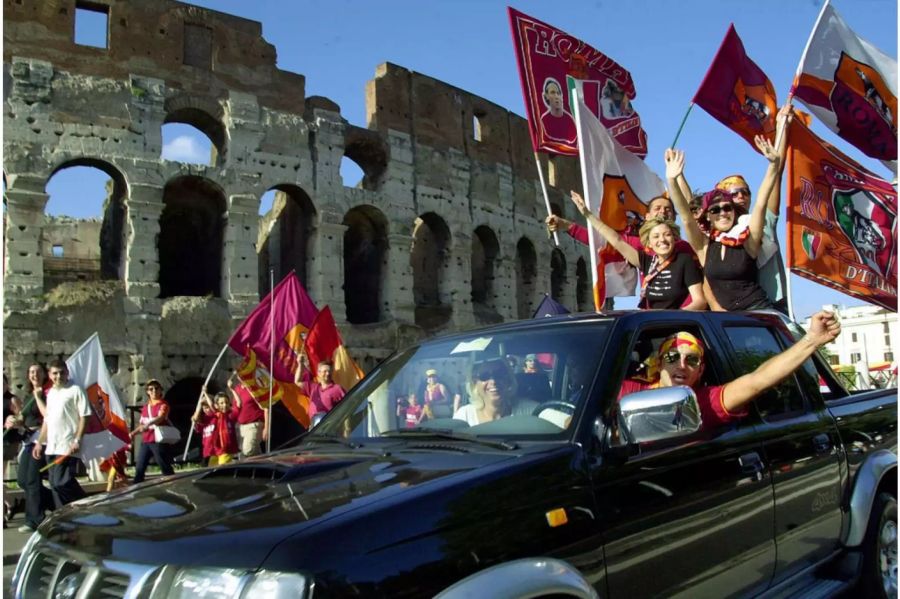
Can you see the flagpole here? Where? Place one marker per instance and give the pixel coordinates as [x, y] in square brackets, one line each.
[537, 162]
[199, 399]
[681, 126]
[271, 358]
[576, 91]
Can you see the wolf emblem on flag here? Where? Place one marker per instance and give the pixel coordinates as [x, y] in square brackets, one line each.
[865, 108]
[868, 226]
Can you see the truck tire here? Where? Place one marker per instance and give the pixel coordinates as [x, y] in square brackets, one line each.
[879, 575]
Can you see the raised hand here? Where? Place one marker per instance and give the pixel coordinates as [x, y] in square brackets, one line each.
[557, 223]
[824, 328]
[579, 203]
[765, 148]
[674, 163]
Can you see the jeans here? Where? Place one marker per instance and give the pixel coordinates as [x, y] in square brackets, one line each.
[63, 483]
[29, 479]
[160, 455]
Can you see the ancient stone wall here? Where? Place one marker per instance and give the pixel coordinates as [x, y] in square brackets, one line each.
[448, 176]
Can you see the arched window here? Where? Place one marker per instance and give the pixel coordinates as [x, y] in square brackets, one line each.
[485, 249]
[430, 262]
[205, 139]
[365, 263]
[365, 158]
[286, 231]
[557, 275]
[526, 273]
[191, 232]
[582, 285]
[84, 236]
[185, 143]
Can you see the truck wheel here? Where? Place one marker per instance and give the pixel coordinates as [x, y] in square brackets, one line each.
[879, 575]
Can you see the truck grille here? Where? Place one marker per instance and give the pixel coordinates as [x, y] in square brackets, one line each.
[51, 573]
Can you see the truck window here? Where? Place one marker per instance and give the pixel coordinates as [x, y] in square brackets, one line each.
[753, 346]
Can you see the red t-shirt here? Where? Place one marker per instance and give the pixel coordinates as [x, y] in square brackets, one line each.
[150, 411]
[250, 411]
[224, 438]
[709, 399]
[206, 426]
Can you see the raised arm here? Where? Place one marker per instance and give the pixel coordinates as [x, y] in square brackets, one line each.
[771, 181]
[675, 172]
[824, 328]
[773, 202]
[235, 396]
[612, 237]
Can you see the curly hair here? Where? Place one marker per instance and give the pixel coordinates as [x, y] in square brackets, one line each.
[648, 225]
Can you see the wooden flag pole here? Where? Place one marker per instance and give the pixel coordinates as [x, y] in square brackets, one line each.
[537, 162]
[681, 126]
[199, 399]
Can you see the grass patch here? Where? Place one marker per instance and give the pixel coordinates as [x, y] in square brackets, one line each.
[80, 293]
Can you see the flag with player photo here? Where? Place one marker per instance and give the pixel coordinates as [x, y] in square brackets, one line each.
[546, 56]
[841, 221]
[851, 86]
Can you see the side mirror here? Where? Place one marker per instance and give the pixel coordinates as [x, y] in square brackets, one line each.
[659, 414]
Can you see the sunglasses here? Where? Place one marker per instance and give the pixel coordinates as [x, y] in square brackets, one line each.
[673, 356]
[495, 373]
[738, 190]
[726, 208]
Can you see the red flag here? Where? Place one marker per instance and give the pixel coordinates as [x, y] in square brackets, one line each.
[737, 93]
[289, 313]
[324, 343]
[546, 56]
[842, 221]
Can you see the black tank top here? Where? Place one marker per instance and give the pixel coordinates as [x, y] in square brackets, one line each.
[733, 279]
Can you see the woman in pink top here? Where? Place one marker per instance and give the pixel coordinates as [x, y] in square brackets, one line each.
[155, 411]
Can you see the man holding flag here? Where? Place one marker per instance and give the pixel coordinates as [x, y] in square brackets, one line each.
[62, 431]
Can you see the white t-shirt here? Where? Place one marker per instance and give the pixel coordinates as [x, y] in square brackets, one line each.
[469, 413]
[64, 408]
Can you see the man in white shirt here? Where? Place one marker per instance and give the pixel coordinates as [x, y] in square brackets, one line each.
[63, 428]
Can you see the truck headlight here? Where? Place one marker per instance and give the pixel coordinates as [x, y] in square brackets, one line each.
[227, 583]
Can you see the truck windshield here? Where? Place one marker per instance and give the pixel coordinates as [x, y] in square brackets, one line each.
[510, 384]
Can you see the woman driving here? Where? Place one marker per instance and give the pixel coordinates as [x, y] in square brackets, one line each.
[492, 389]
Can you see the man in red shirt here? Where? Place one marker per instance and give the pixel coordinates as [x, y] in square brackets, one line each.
[680, 362]
[252, 419]
[324, 393]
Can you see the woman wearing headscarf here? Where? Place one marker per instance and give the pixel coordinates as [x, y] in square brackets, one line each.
[670, 279]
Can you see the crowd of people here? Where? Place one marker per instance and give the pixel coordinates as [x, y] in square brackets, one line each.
[730, 259]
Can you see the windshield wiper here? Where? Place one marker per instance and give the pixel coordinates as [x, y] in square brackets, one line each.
[329, 438]
[441, 433]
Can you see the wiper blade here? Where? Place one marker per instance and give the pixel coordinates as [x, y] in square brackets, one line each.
[441, 433]
[329, 438]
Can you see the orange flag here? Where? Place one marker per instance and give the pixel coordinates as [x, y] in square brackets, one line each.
[324, 343]
[842, 221]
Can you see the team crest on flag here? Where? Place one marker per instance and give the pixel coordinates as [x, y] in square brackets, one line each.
[868, 226]
[860, 96]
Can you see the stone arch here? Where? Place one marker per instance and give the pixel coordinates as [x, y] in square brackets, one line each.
[526, 276]
[286, 235]
[191, 234]
[204, 114]
[430, 262]
[485, 249]
[365, 263]
[582, 285]
[557, 275]
[80, 239]
[368, 150]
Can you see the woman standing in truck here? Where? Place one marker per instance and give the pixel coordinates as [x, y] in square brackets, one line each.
[669, 277]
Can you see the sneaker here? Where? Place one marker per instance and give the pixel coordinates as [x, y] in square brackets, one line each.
[25, 528]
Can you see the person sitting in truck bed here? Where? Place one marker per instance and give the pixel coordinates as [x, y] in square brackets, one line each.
[679, 361]
[492, 389]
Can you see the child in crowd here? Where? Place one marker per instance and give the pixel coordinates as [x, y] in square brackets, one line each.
[224, 444]
[204, 420]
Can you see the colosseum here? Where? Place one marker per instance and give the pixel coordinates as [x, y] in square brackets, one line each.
[444, 232]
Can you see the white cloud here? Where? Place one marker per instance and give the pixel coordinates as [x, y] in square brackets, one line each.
[185, 149]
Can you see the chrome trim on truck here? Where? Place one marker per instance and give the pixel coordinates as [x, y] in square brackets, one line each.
[522, 578]
[865, 487]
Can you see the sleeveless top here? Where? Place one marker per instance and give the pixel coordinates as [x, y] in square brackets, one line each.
[733, 279]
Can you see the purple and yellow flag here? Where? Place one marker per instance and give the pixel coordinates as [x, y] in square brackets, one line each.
[288, 313]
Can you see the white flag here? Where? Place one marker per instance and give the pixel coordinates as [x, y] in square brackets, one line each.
[851, 86]
[106, 431]
[603, 160]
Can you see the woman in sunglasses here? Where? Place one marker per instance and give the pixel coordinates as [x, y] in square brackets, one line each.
[670, 279]
[728, 251]
[680, 361]
[492, 388]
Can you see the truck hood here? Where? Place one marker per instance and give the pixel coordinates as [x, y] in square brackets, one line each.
[234, 515]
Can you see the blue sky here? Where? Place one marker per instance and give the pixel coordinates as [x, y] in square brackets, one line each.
[667, 46]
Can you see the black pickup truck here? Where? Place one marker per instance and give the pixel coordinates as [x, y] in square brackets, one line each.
[574, 492]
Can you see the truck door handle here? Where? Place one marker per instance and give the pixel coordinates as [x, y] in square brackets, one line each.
[751, 463]
[822, 443]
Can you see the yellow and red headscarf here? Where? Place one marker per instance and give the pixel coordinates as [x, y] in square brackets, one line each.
[732, 182]
[672, 341]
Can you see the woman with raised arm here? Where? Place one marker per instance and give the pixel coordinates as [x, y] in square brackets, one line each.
[727, 251]
[668, 277]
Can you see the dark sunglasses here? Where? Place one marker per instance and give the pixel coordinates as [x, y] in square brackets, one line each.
[673, 356]
[737, 190]
[496, 373]
[726, 208]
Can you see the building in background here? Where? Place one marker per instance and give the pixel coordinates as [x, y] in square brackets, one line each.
[864, 353]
